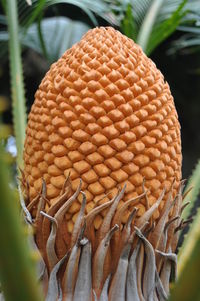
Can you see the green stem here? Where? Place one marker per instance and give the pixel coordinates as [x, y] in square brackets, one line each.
[18, 277]
[148, 23]
[18, 95]
[42, 42]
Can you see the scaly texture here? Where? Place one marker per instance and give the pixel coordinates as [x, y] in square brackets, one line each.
[104, 113]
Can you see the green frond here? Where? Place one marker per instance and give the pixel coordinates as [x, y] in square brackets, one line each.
[155, 21]
[187, 287]
[162, 31]
[148, 24]
[194, 183]
[29, 14]
[17, 275]
[58, 34]
[128, 24]
[193, 234]
[16, 75]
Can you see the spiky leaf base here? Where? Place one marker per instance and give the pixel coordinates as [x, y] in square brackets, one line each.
[131, 261]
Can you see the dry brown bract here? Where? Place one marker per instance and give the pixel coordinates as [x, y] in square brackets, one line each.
[118, 262]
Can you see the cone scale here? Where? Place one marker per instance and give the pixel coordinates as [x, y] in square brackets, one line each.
[102, 175]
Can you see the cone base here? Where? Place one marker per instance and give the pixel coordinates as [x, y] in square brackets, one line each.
[121, 262]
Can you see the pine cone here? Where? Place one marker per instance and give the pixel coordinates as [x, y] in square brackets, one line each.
[104, 114]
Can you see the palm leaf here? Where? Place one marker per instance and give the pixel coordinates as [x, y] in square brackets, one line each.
[160, 20]
[165, 29]
[189, 40]
[191, 238]
[185, 251]
[34, 30]
[155, 20]
[59, 34]
[187, 287]
[18, 277]
[140, 9]
[148, 24]
[190, 26]
[29, 14]
[194, 187]
[128, 24]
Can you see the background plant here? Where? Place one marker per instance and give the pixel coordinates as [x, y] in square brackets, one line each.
[17, 273]
[44, 30]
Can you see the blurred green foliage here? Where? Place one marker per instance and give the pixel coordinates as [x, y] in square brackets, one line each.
[194, 185]
[187, 287]
[41, 28]
[17, 274]
[148, 22]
